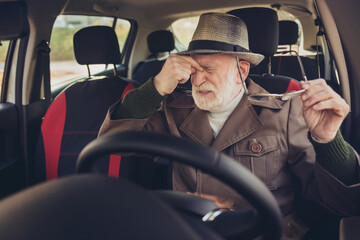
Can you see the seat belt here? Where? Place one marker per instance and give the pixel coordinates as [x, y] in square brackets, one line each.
[42, 72]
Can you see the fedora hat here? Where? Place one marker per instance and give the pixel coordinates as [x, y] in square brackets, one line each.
[221, 33]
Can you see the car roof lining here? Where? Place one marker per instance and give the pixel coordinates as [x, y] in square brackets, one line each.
[147, 13]
[172, 9]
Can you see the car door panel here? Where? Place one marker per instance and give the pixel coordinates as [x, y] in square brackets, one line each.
[11, 168]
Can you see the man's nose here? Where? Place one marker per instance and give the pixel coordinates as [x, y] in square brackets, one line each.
[198, 78]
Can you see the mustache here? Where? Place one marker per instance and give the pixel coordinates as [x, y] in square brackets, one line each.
[204, 87]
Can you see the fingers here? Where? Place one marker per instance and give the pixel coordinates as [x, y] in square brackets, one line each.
[221, 202]
[316, 91]
[194, 64]
[337, 105]
[182, 66]
[319, 96]
[177, 69]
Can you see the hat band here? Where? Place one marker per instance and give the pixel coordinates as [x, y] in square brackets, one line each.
[215, 45]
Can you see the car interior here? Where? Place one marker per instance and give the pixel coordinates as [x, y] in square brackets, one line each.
[59, 181]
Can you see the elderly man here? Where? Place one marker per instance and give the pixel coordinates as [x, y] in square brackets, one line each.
[276, 138]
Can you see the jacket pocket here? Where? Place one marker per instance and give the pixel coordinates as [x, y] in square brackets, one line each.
[261, 156]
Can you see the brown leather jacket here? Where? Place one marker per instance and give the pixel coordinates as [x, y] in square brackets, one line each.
[269, 138]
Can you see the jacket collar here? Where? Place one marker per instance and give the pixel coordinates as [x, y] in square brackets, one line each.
[197, 127]
[241, 123]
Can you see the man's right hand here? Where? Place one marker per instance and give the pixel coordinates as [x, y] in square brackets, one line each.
[177, 69]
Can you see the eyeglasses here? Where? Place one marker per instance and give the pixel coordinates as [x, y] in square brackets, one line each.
[263, 97]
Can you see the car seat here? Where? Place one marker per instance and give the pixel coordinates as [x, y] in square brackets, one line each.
[288, 64]
[263, 33]
[75, 116]
[158, 42]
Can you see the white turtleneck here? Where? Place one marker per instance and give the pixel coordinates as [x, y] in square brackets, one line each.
[218, 118]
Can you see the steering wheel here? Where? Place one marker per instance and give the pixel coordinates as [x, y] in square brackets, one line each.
[206, 159]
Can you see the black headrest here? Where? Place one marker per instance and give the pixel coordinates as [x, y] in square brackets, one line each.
[263, 29]
[160, 41]
[97, 45]
[288, 32]
[13, 20]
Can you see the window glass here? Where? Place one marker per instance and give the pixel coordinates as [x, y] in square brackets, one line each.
[122, 29]
[183, 30]
[4, 45]
[63, 65]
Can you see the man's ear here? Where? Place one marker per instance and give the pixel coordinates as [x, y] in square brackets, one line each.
[245, 68]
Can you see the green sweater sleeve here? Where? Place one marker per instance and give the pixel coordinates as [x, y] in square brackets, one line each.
[138, 103]
[338, 158]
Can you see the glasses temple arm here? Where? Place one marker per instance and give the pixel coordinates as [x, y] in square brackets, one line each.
[241, 77]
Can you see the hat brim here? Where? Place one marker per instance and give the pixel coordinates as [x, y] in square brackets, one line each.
[253, 58]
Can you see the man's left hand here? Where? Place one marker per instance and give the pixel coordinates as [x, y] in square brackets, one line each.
[221, 202]
[323, 109]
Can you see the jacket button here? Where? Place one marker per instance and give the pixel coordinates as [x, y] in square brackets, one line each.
[256, 147]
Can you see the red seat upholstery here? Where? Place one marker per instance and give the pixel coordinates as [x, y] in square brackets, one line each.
[75, 116]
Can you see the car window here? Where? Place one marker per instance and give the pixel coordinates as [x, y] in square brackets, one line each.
[63, 65]
[183, 30]
[4, 45]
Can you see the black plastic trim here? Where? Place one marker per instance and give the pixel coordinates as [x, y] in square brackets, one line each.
[18, 102]
[129, 44]
[9, 110]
